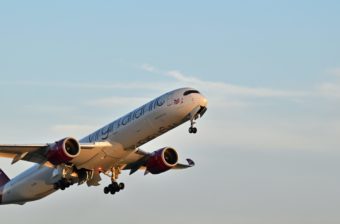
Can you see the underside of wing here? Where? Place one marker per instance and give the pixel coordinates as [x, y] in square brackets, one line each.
[157, 162]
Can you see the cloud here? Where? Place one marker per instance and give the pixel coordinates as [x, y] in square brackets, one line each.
[73, 129]
[149, 68]
[226, 88]
[50, 108]
[118, 101]
[334, 71]
[232, 89]
[277, 135]
[329, 90]
[223, 104]
[122, 85]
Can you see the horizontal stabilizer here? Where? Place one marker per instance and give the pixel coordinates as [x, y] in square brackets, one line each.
[3, 178]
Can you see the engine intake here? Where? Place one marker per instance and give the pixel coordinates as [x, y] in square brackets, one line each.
[63, 151]
[162, 160]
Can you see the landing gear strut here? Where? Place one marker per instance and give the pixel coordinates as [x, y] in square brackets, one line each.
[114, 187]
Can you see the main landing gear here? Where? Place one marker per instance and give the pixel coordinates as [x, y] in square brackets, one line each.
[63, 184]
[114, 187]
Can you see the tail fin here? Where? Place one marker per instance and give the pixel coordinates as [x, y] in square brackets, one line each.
[3, 178]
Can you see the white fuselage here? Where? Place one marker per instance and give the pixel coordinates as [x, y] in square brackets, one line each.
[124, 136]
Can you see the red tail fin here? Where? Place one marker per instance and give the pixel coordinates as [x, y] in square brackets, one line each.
[3, 178]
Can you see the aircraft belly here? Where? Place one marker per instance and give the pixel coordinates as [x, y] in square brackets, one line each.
[101, 158]
[29, 187]
[101, 161]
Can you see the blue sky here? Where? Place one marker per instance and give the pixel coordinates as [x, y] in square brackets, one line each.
[267, 150]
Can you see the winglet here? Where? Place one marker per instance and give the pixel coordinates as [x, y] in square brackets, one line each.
[191, 162]
[4, 179]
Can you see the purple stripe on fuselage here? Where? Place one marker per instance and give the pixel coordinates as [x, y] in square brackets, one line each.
[1, 190]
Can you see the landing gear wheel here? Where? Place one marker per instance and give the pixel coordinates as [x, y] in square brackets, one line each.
[106, 190]
[192, 130]
[67, 184]
[63, 184]
[56, 186]
[121, 186]
[110, 187]
[114, 188]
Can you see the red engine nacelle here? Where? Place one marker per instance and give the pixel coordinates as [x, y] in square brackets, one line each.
[63, 151]
[162, 160]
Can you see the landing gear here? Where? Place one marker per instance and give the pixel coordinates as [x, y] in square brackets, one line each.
[114, 187]
[66, 175]
[197, 112]
[192, 129]
[63, 184]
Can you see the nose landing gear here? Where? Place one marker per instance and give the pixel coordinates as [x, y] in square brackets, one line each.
[192, 129]
[194, 115]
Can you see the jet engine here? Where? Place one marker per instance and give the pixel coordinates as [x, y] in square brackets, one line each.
[63, 151]
[162, 160]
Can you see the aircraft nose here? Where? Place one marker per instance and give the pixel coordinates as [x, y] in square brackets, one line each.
[203, 101]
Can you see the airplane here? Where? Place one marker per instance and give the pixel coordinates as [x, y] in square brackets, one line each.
[109, 150]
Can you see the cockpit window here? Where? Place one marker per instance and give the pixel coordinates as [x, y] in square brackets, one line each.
[189, 92]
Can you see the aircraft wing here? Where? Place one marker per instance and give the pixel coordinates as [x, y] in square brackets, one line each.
[35, 153]
[31, 153]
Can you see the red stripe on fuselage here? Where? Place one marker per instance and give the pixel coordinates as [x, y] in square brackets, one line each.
[4, 179]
